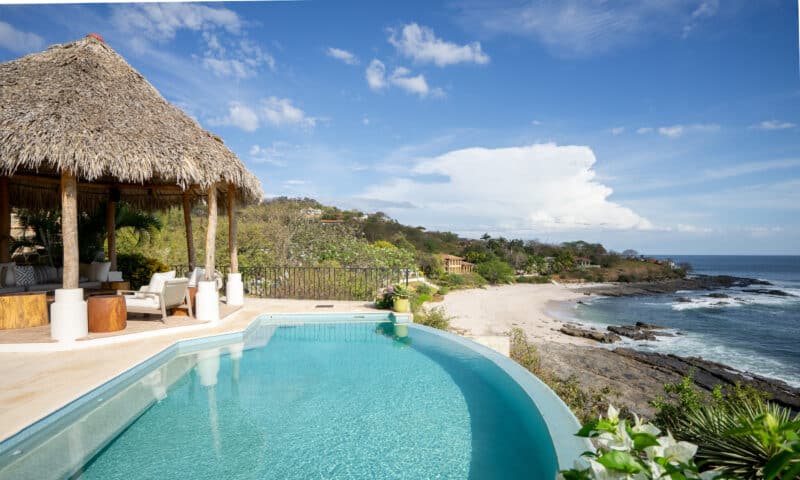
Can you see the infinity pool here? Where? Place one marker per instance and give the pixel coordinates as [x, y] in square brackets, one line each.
[314, 400]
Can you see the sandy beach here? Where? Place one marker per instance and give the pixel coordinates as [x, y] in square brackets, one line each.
[496, 310]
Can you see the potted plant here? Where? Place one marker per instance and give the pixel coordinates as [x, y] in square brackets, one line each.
[401, 303]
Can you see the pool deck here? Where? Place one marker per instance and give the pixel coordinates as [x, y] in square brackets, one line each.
[34, 384]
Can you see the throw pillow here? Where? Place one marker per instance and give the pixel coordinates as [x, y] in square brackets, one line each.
[40, 274]
[7, 277]
[84, 269]
[98, 271]
[25, 275]
[52, 274]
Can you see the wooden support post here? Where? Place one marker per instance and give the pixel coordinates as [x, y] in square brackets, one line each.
[111, 229]
[5, 221]
[211, 234]
[187, 224]
[69, 228]
[232, 229]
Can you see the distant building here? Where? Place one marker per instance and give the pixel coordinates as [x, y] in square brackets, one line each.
[584, 262]
[454, 264]
[312, 212]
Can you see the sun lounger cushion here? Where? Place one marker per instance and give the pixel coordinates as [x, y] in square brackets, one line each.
[158, 279]
[148, 301]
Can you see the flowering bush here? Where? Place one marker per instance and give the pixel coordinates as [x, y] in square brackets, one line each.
[633, 452]
[387, 295]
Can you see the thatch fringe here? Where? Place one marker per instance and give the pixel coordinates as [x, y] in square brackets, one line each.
[81, 108]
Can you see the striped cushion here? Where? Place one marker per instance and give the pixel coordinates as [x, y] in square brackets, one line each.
[40, 274]
[25, 275]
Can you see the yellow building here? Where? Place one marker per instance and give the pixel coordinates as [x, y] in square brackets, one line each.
[454, 264]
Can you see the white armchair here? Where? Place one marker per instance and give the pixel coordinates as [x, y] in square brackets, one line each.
[198, 275]
[173, 293]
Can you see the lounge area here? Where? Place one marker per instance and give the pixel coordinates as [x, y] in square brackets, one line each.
[120, 143]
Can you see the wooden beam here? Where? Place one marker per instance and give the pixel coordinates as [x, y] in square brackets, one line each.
[232, 229]
[111, 229]
[187, 225]
[69, 228]
[211, 234]
[5, 221]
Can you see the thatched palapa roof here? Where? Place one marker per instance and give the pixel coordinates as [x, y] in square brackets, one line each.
[80, 107]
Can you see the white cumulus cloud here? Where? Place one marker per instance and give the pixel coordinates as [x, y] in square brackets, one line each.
[343, 55]
[401, 78]
[19, 42]
[281, 111]
[522, 190]
[675, 131]
[161, 21]
[376, 75]
[421, 44]
[240, 116]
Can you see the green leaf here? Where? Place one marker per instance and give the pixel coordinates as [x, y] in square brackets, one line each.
[588, 429]
[776, 464]
[643, 440]
[620, 461]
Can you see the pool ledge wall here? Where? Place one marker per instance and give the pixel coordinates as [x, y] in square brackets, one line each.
[561, 422]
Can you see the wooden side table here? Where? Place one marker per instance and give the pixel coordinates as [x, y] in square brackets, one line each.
[23, 310]
[121, 285]
[107, 313]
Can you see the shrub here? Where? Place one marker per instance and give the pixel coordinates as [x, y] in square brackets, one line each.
[739, 432]
[633, 450]
[586, 404]
[444, 290]
[138, 269]
[435, 317]
[423, 289]
[495, 271]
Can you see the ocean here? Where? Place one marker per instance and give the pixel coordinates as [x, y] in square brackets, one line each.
[754, 332]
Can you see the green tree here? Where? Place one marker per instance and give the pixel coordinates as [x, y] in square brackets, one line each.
[495, 271]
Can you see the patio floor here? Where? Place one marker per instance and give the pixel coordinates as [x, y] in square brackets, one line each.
[136, 324]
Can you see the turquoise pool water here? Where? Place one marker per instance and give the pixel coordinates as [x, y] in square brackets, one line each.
[326, 400]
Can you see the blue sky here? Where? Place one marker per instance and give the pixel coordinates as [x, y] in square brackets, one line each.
[669, 126]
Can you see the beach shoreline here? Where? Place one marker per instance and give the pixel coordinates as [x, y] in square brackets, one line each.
[632, 380]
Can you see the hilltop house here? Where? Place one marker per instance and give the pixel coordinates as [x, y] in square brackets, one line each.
[454, 264]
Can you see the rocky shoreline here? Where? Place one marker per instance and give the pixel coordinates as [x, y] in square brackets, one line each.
[707, 374]
[660, 287]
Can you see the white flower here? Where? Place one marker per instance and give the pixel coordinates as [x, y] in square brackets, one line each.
[613, 413]
[618, 440]
[639, 427]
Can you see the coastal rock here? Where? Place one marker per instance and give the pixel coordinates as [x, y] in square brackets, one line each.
[683, 300]
[718, 295]
[708, 375]
[602, 337]
[769, 291]
[631, 331]
[696, 282]
[648, 326]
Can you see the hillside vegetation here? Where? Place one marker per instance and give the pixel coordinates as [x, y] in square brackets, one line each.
[303, 232]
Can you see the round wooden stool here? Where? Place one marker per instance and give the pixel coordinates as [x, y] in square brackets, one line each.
[107, 313]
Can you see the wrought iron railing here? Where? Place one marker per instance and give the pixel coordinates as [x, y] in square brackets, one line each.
[314, 283]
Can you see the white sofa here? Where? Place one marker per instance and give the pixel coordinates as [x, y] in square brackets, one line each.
[43, 278]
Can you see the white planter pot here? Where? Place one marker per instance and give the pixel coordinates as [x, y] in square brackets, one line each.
[69, 319]
[234, 289]
[207, 301]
